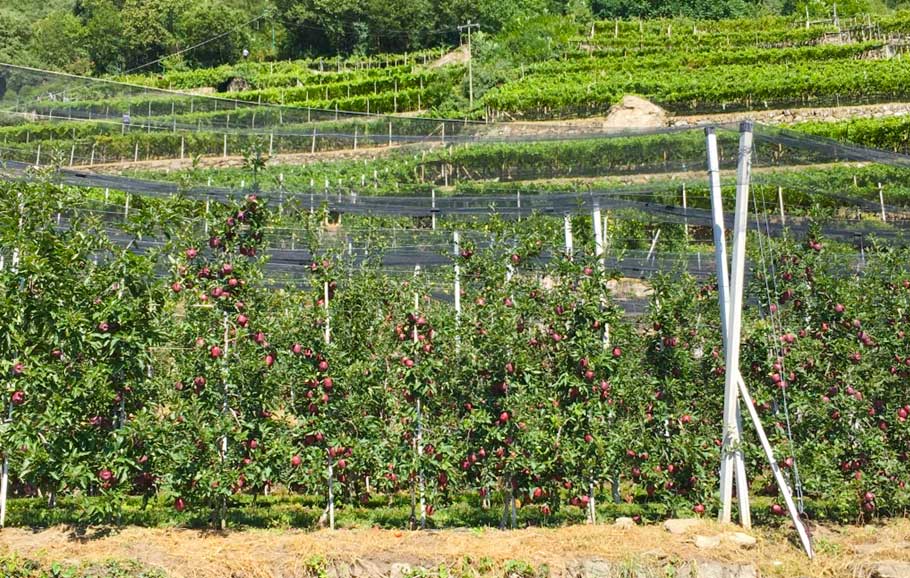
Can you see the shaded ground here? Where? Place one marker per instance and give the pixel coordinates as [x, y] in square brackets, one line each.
[842, 551]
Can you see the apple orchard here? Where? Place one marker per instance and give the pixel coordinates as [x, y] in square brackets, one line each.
[185, 377]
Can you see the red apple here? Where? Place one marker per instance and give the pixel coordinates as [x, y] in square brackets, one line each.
[215, 352]
[179, 504]
[295, 461]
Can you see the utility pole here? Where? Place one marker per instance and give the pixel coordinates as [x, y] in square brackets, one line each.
[468, 27]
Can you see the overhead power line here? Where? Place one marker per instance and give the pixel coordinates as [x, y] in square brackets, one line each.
[197, 45]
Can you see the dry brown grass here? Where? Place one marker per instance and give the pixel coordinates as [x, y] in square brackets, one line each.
[276, 553]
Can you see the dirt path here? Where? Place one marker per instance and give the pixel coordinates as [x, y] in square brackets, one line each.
[844, 551]
[796, 115]
[682, 176]
[368, 153]
[580, 126]
[543, 129]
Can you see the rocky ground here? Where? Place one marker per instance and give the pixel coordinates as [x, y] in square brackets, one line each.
[621, 549]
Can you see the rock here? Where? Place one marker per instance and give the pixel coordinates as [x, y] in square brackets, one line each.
[624, 523]
[458, 56]
[889, 569]
[634, 112]
[741, 539]
[234, 84]
[707, 542]
[596, 568]
[399, 570]
[681, 525]
[711, 569]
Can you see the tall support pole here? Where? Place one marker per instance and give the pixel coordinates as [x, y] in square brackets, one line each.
[731, 451]
[330, 474]
[4, 486]
[14, 266]
[419, 437]
[567, 228]
[4, 470]
[780, 202]
[225, 409]
[598, 236]
[723, 288]
[600, 253]
[468, 28]
[456, 242]
[328, 331]
[685, 205]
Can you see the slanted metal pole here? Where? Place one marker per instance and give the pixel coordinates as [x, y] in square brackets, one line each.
[653, 246]
[881, 199]
[778, 475]
[732, 434]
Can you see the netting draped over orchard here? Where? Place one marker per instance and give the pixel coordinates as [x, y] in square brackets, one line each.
[327, 367]
[666, 198]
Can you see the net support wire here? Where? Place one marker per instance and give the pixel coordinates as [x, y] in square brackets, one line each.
[731, 302]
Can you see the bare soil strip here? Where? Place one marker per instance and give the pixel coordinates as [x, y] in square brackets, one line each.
[842, 550]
